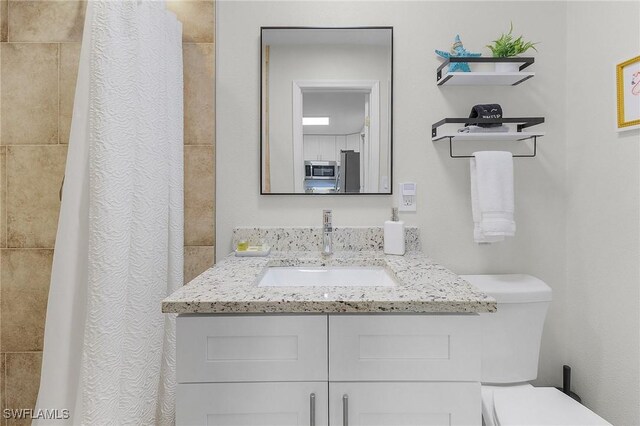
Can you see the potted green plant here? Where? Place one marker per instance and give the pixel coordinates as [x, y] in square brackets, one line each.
[507, 46]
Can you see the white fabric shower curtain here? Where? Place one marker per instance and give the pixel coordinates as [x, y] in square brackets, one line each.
[109, 352]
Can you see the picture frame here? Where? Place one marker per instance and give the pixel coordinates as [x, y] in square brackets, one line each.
[628, 94]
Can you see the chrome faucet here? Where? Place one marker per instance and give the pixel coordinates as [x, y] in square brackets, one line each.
[327, 233]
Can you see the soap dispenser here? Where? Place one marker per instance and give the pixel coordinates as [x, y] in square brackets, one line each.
[394, 234]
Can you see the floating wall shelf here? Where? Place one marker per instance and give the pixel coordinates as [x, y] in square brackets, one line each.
[518, 135]
[444, 78]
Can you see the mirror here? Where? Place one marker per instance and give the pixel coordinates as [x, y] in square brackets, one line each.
[326, 110]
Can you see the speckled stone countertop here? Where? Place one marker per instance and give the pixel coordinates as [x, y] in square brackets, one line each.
[422, 286]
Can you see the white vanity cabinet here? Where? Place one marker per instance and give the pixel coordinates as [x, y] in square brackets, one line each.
[335, 369]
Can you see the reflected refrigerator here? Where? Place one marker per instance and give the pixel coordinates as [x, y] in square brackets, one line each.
[349, 172]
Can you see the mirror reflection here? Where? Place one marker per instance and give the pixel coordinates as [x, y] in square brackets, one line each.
[326, 111]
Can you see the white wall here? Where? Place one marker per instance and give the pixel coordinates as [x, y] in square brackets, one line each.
[603, 303]
[444, 211]
[317, 62]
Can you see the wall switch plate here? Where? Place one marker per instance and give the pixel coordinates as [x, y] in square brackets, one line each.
[407, 195]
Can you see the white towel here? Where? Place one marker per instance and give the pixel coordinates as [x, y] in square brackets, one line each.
[492, 196]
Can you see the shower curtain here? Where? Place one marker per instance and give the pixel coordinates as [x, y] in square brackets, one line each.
[109, 352]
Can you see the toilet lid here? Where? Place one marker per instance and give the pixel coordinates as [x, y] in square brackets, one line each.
[528, 405]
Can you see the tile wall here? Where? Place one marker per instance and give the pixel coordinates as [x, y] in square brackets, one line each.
[39, 53]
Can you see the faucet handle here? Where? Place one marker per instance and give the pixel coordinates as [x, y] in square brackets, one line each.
[326, 218]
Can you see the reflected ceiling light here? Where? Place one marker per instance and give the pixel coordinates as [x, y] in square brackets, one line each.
[315, 121]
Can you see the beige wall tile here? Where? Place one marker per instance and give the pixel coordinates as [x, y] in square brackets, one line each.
[46, 21]
[29, 96]
[197, 259]
[34, 177]
[3, 20]
[2, 392]
[22, 382]
[199, 80]
[199, 195]
[3, 196]
[25, 275]
[69, 58]
[197, 19]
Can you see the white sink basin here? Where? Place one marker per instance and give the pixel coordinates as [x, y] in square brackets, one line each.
[330, 276]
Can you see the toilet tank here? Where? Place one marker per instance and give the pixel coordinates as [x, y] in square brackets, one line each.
[511, 336]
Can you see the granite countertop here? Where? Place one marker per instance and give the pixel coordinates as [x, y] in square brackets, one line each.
[422, 286]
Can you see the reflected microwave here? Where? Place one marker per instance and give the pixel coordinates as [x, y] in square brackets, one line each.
[320, 170]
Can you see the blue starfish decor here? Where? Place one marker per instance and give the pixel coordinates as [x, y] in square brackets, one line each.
[458, 50]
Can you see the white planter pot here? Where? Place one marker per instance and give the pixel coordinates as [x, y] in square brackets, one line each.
[507, 66]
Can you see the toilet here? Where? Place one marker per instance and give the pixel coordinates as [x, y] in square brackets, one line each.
[510, 350]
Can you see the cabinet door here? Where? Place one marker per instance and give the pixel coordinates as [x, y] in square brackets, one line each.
[310, 148]
[252, 404]
[353, 142]
[404, 404]
[251, 348]
[328, 148]
[341, 145]
[404, 347]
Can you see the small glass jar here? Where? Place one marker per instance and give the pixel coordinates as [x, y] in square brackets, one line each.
[243, 245]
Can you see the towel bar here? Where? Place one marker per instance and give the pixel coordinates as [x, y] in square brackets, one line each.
[535, 149]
